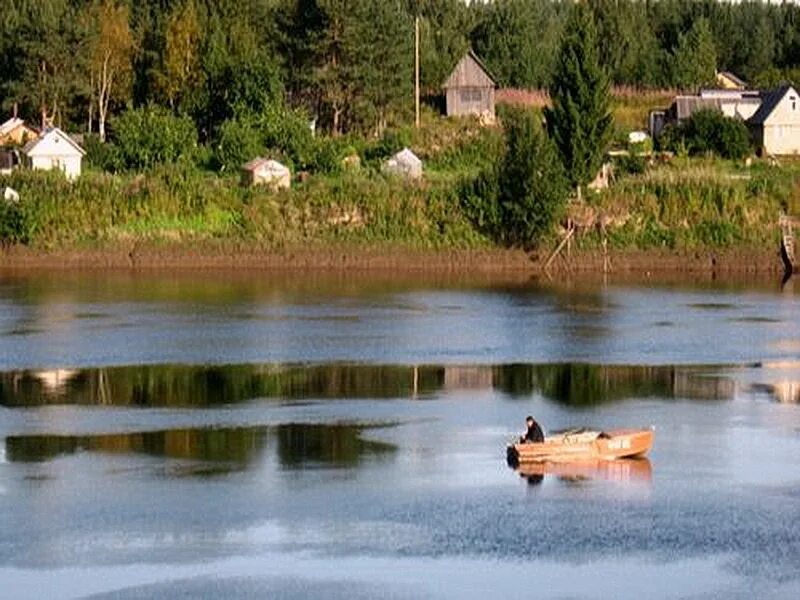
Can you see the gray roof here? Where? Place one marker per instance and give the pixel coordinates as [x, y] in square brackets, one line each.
[684, 106]
[464, 76]
[770, 102]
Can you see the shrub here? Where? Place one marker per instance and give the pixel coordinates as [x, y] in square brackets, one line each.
[708, 131]
[533, 185]
[239, 141]
[147, 136]
[98, 153]
[479, 200]
[392, 141]
[631, 164]
[13, 229]
[519, 201]
[278, 131]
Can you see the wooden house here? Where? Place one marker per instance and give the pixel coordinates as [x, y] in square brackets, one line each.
[775, 126]
[263, 171]
[54, 150]
[14, 132]
[470, 89]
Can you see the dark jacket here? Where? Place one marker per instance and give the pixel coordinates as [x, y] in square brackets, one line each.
[534, 434]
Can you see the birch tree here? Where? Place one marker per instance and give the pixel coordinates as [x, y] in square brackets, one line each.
[182, 72]
[110, 53]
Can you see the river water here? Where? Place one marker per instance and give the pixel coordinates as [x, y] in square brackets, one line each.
[213, 435]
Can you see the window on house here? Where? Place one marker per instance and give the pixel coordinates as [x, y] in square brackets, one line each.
[471, 96]
[794, 102]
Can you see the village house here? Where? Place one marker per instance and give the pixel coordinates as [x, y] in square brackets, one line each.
[470, 89]
[54, 150]
[404, 164]
[264, 171]
[728, 81]
[775, 127]
[741, 104]
[773, 117]
[14, 132]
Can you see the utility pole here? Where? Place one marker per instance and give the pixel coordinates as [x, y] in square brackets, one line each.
[416, 68]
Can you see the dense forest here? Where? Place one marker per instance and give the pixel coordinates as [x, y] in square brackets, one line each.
[348, 64]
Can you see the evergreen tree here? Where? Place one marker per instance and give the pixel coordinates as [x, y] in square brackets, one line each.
[445, 27]
[532, 183]
[580, 120]
[695, 58]
[518, 40]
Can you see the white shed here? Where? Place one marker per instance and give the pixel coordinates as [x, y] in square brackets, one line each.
[267, 172]
[54, 149]
[405, 163]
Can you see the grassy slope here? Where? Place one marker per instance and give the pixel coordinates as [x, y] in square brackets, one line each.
[685, 204]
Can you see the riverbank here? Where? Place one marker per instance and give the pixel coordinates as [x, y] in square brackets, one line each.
[681, 214]
[387, 259]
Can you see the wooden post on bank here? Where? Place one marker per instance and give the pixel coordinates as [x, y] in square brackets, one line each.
[787, 244]
[416, 70]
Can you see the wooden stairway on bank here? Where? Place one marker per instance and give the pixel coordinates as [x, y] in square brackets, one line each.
[787, 244]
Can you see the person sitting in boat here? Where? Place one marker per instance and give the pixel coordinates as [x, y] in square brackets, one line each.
[534, 434]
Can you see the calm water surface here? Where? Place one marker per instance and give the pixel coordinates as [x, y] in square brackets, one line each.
[254, 436]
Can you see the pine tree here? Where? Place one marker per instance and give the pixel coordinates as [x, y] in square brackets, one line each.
[695, 58]
[532, 184]
[580, 121]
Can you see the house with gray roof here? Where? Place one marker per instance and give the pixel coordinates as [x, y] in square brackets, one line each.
[775, 126]
[470, 88]
[773, 117]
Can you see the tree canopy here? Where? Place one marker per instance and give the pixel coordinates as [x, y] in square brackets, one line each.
[580, 121]
[348, 64]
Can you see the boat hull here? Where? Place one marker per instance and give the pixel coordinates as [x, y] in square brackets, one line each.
[620, 470]
[572, 447]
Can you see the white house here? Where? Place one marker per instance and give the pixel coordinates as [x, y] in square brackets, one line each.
[54, 149]
[263, 171]
[405, 163]
[775, 126]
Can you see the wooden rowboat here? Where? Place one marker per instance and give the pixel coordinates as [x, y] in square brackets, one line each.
[582, 445]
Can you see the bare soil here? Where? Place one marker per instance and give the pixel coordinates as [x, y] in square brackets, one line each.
[489, 261]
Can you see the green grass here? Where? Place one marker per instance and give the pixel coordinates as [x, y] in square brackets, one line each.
[689, 203]
[693, 204]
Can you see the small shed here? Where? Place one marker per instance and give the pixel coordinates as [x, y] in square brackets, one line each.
[264, 171]
[404, 164]
[54, 150]
[14, 132]
[470, 88]
[775, 126]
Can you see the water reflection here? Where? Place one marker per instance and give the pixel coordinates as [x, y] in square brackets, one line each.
[621, 471]
[583, 384]
[295, 445]
[572, 384]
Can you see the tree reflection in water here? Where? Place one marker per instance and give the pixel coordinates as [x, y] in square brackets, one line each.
[571, 384]
[296, 445]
